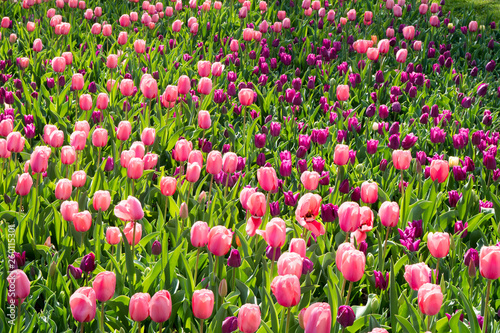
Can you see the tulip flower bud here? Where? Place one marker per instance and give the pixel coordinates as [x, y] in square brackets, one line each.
[301, 318]
[156, 248]
[223, 288]
[202, 197]
[234, 259]
[472, 269]
[184, 213]
[345, 316]
[7, 199]
[52, 269]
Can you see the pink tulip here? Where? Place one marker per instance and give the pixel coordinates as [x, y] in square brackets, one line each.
[77, 81]
[68, 209]
[257, 204]
[149, 87]
[353, 265]
[168, 186]
[83, 304]
[245, 195]
[59, 64]
[267, 178]
[310, 180]
[148, 136]
[306, 212]
[246, 96]
[249, 318]
[15, 142]
[129, 232]
[40, 159]
[409, 32]
[401, 55]
[344, 247]
[275, 233]
[290, 263]
[124, 130]
[416, 275]
[230, 162]
[193, 171]
[438, 244]
[214, 162]
[139, 306]
[204, 68]
[369, 192]
[199, 234]
[389, 214]
[160, 306]
[100, 137]
[286, 289]
[318, 318]
[439, 170]
[129, 210]
[204, 121]
[203, 303]
[24, 184]
[139, 46]
[135, 168]
[430, 299]
[341, 154]
[78, 178]
[219, 240]
[19, 285]
[101, 200]
[4, 152]
[349, 216]
[401, 159]
[68, 155]
[104, 286]
[342, 92]
[82, 221]
[205, 86]
[150, 160]
[298, 245]
[182, 150]
[113, 235]
[489, 262]
[63, 189]
[78, 140]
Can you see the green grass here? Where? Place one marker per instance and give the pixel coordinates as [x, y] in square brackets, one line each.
[482, 11]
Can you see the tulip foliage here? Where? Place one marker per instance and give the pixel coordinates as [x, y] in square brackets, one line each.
[248, 166]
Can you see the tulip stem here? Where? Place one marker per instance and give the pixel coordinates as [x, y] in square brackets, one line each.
[437, 271]
[272, 263]
[81, 327]
[102, 317]
[209, 200]
[225, 188]
[196, 266]
[486, 309]
[133, 241]
[201, 326]
[234, 278]
[287, 321]
[343, 287]
[98, 158]
[348, 293]
[161, 327]
[385, 243]
[402, 198]
[18, 317]
[428, 323]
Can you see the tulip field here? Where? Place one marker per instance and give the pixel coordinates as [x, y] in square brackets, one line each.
[249, 166]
